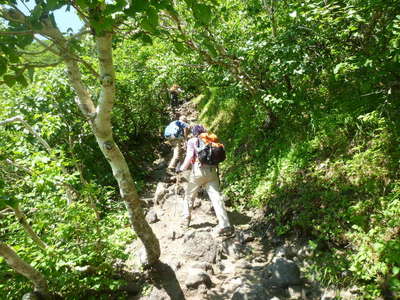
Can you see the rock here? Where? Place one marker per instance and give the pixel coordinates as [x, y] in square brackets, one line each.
[142, 255]
[259, 259]
[205, 266]
[196, 203]
[246, 237]
[231, 247]
[329, 295]
[296, 293]
[161, 190]
[281, 252]
[133, 288]
[175, 235]
[282, 273]
[176, 265]
[248, 292]
[31, 296]
[243, 264]
[152, 217]
[235, 283]
[196, 277]
[202, 289]
[200, 246]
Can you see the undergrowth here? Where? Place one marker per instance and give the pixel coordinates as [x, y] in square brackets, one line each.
[330, 174]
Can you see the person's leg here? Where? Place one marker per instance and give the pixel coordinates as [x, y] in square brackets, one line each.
[191, 190]
[212, 189]
[175, 156]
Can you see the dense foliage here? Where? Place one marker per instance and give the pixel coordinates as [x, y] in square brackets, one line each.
[303, 94]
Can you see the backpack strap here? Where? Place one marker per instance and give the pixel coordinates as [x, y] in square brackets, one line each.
[195, 151]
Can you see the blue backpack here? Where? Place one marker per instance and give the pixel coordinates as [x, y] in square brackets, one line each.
[174, 130]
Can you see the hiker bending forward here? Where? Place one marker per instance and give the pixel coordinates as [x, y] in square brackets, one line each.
[202, 175]
[178, 142]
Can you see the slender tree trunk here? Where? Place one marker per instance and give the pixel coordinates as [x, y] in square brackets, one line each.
[22, 220]
[100, 119]
[103, 132]
[23, 268]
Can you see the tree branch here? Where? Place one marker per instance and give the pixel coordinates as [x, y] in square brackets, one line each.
[25, 32]
[30, 129]
[49, 48]
[13, 15]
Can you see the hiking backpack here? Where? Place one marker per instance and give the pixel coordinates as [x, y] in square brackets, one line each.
[173, 130]
[209, 150]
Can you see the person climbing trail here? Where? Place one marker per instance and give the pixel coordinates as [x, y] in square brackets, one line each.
[202, 174]
[176, 132]
[174, 92]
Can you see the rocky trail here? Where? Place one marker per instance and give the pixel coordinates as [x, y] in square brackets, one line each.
[197, 264]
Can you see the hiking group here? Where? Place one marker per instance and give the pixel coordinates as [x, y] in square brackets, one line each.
[199, 167]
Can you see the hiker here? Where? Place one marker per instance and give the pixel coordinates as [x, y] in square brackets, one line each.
[176, 132]
[202, 174]
[174, 92]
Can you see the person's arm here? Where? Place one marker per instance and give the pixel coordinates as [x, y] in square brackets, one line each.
[190, 153]
[186, 130]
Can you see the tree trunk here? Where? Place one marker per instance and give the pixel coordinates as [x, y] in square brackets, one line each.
[22, 220]
[26, 270]
[100, 120]
[102, 129]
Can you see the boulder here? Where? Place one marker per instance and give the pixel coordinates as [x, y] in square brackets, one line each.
[197, 277]
[282, 273]
[200, 246]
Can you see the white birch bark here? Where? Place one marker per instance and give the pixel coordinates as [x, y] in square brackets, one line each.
[100, 120]
[23, 268]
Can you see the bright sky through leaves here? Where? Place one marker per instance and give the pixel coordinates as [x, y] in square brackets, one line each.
[65, 19]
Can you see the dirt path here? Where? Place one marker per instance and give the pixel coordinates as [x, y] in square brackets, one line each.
[196, 264]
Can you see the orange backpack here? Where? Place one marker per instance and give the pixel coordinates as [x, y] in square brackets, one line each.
[209, 149]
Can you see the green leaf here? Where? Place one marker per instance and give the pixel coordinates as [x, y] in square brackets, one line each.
[31, 71]
[140, 5]
[54, 4]
[150, 22]
[22, 80]
[9, 80]
[202, 13]
[3, 65]
[13, 57]
[161, 4]
[146, 39]
[152, 17]
[179, 48]
[25, 40]
[113, 8]
[82, 3]
[211, 48]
